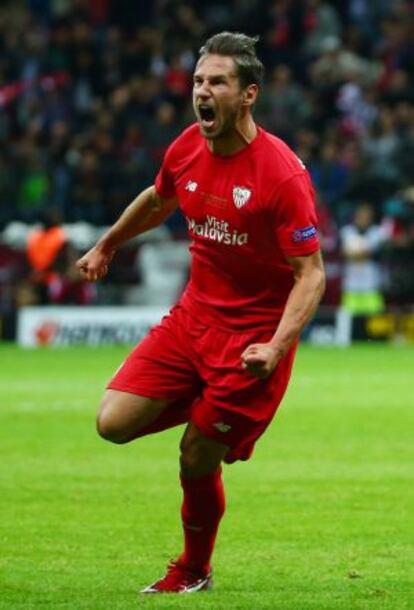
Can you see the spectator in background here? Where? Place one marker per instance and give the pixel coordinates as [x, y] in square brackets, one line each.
[285, 103]
[329, 173]
[358, 108]
[395, 46]
[87, 195]
[399, 252]
[91, 91]
[320, 21]
[382, 144]
[34, 187]
[329, 238]
[161, 130]
[337, 64]
[279, 39]
[8, 187]
[362, 275]
[177, 81]
[327, 227]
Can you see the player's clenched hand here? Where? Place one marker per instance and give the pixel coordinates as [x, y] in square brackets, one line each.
[94, 264]
[260, 359]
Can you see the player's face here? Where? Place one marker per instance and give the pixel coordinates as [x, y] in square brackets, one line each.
[217, 95]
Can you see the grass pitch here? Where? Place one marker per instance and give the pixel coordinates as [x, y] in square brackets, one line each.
[321, 518]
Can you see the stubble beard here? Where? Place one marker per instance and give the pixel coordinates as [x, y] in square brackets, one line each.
[226, 125]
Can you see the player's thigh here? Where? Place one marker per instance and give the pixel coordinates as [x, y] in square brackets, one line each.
[122, 414]
[156, 374]
[161, 366]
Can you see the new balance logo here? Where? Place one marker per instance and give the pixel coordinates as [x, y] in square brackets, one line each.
[191, 186]
[222, 427]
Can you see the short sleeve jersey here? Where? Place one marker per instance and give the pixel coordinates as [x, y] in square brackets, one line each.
[246, 213]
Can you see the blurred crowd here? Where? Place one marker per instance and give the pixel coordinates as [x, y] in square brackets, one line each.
[93, 91]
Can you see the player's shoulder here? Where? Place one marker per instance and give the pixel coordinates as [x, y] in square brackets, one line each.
[278, 158]
[186, 143]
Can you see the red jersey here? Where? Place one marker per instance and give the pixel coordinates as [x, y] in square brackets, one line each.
[245, 212]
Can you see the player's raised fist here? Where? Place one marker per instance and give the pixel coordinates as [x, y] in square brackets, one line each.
[94, 264]
[260, 359]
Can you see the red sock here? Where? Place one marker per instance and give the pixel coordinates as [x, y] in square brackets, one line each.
[202, 508]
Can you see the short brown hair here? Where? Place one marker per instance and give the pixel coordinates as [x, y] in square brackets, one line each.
[241, 48]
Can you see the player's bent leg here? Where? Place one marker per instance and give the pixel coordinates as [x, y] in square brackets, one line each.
[122, 415]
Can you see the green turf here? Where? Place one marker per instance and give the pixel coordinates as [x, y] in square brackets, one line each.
[321, 518]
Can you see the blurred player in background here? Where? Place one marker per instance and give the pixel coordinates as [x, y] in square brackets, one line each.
[52, 277]
[362, 240]
[221, 360]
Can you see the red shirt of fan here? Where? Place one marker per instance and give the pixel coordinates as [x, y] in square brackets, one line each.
[245, 213]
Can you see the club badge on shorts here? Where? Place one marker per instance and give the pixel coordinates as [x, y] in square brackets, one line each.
[241, 196]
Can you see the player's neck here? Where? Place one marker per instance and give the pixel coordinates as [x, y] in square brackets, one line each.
[232, 142]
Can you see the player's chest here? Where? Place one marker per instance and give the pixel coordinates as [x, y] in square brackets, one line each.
[219, 193]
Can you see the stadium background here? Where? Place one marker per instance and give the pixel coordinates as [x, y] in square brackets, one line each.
[91, 93]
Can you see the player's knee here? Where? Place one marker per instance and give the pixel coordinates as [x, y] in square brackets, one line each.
[108, 429]
[190, 466]
[193, 462]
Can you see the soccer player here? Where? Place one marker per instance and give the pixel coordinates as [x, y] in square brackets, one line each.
[221, 360]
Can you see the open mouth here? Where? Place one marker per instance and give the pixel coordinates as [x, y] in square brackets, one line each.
[207, 116]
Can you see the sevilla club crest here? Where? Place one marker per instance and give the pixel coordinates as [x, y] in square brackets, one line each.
[241, 196]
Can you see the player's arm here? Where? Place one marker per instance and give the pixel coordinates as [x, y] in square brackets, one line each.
[262, 358]
[147, 210]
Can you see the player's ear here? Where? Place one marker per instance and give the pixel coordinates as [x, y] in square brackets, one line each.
[249, 95]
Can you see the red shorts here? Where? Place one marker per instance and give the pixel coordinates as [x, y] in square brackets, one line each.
[198, 369]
